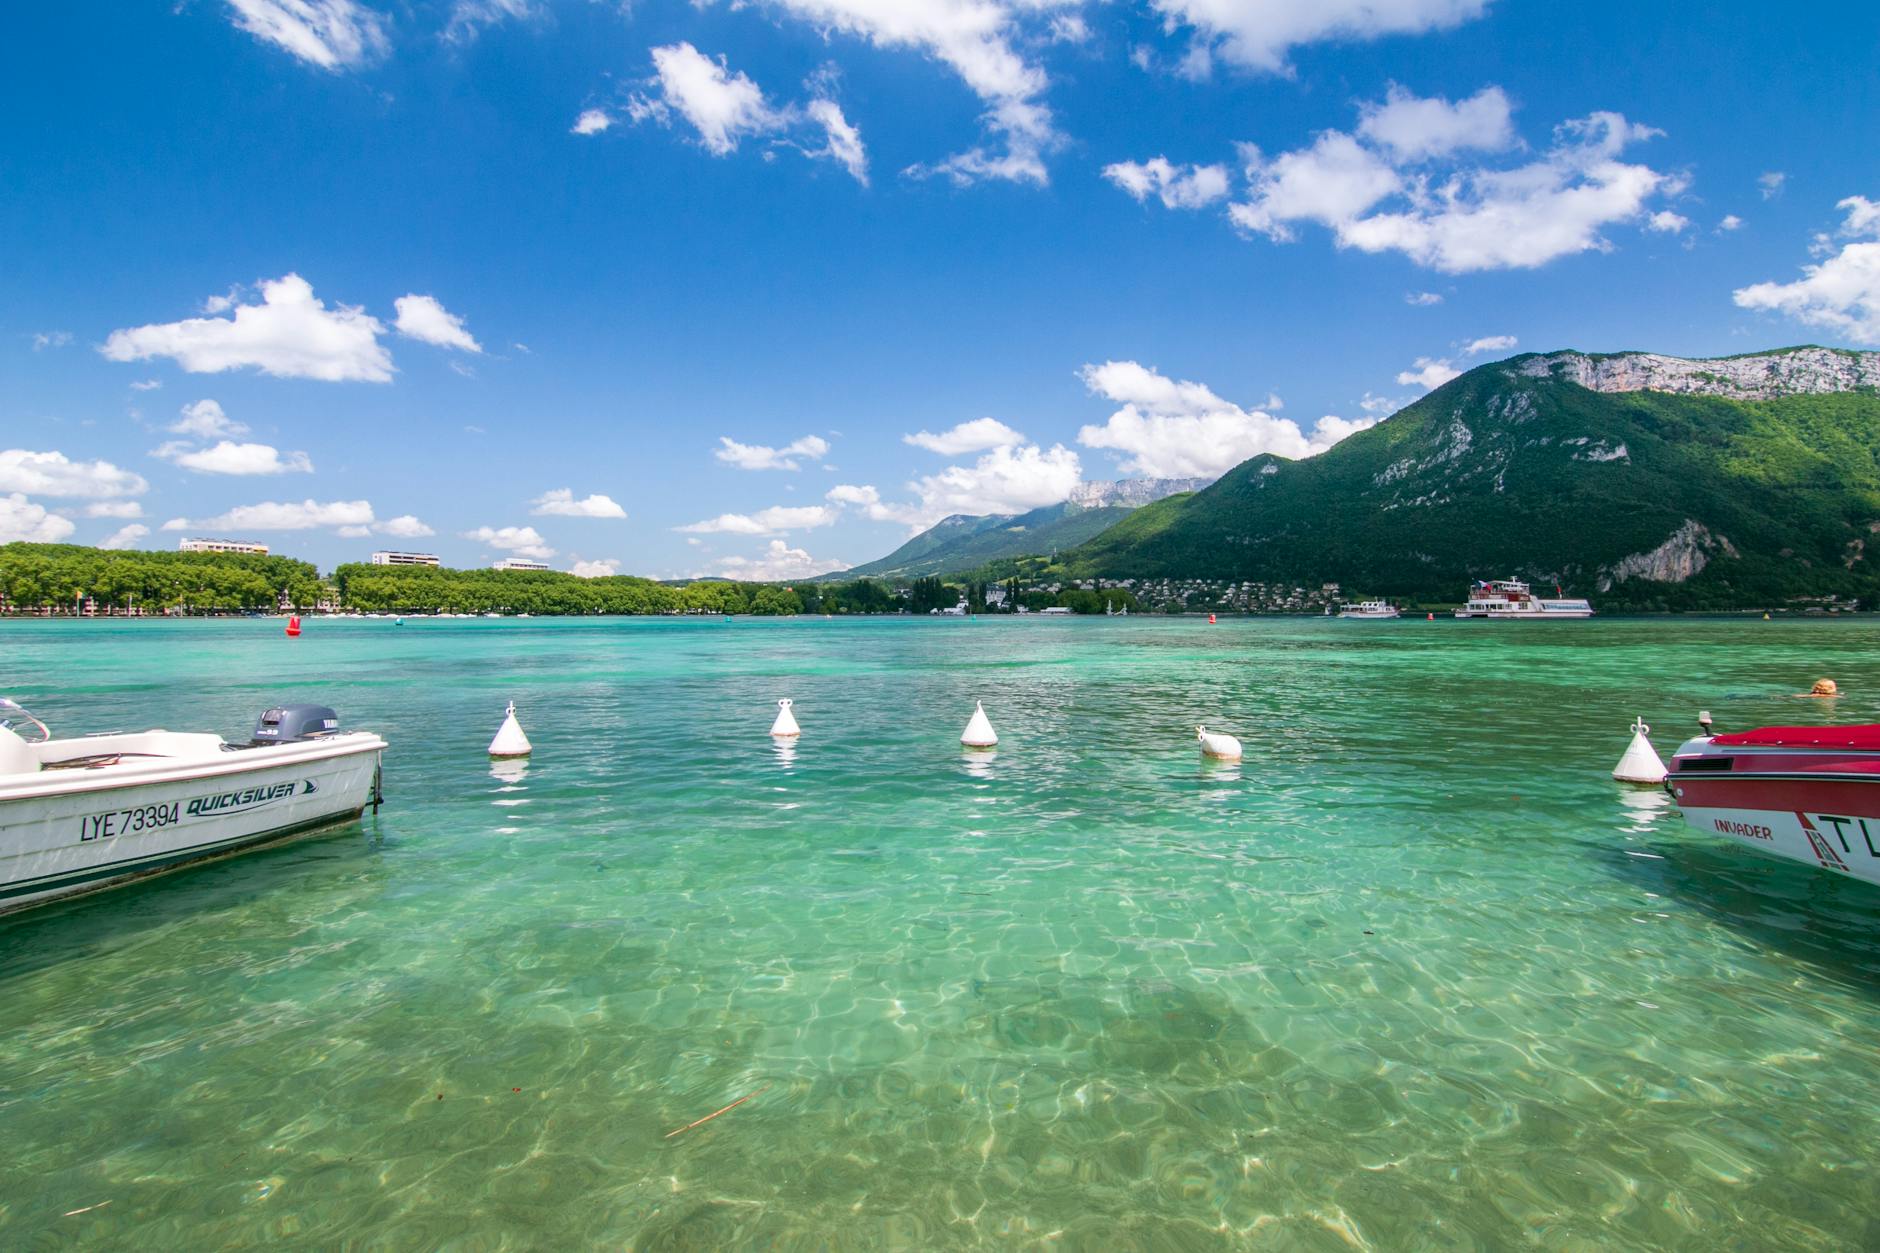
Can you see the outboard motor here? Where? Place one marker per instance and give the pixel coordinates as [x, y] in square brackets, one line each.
[293, 724]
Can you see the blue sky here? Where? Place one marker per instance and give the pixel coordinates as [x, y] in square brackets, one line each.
[779, 281]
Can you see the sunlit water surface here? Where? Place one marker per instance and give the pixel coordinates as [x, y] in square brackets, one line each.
[1416, 974]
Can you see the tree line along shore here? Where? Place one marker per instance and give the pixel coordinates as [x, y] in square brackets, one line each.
[69, 579]
[63, 580]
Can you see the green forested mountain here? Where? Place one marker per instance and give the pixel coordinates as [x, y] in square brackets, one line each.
[966, 543]
[1606, 485]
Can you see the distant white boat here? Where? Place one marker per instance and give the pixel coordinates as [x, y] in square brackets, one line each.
[1510, 598]
[1368, 609]
[81, 814]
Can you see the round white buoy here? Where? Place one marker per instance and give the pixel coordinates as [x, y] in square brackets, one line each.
[979, 732]
[1214, 744]
[1641, 763]
[785, 725]
[510, 741]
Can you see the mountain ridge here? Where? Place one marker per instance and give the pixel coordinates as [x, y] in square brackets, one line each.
[1707, 488]
[964, 541]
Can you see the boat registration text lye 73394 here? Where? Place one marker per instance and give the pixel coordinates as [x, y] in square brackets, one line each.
[163, 814]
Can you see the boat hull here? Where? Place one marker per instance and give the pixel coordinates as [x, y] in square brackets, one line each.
[1821, 811]
[64, 837]
[1531, 615]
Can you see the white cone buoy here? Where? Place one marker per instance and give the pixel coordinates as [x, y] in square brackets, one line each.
[979, 732]
[1641, 763]
[510, 741]
[1214, 744]
[785, 725]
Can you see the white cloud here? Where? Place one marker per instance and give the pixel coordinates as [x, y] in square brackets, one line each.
[777, 518]
[114, 509]
[1422, 299]
[1841, 293]
[976, 39]
[1069, 28]
[1730, 222]
[23, 522]
[43, 340]
[1170, 428]
[332, 34]
[147, 385]
[124, 536]
[726, 107]
[404, 526]
[1863, 216]
[762, 457]
[865, 497]
[1257, 34]
[853, 494]
[1004, 480]
[975, 436]
[229, 457]
[599, 568]
[469, 17]
[560, 503]
[778, 563]
[1489, 343]
[524, 541]
[290, 334]
[591, 122]
[1428, 373]
[844, 142]
[1474, 218]
[1332, 183]
[722, 106]
[1666, 222]
[1771, 183]
[1413, 129]
[271, 515]
[55, 474]
[1331, 428]
[1177, 186]
[205, 419]
[1379, 405]
[422, 318]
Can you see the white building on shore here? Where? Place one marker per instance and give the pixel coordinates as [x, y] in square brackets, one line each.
[222, 546]
[519, 563]
[385, 557]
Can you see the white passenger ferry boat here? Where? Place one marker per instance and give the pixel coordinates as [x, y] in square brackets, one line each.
[81, 814]
[1510, 598]
[1369, 609]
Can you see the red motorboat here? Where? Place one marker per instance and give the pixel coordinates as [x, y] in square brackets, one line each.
[1811, 794]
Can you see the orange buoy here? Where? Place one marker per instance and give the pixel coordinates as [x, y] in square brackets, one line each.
[293, 626]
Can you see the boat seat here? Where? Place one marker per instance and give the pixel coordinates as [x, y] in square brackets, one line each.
[16, 755]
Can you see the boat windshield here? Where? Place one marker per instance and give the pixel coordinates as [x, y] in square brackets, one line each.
[13, 717]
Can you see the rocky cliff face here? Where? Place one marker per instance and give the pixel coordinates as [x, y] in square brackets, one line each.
[1134, 493]
[1680, 557]
[1796, 371]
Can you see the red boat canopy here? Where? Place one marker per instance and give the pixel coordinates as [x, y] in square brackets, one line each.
[1861, 737]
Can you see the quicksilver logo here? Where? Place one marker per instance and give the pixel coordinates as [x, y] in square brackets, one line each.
[247, 798]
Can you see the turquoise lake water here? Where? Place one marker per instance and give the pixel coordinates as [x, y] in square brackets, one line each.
[1417, 974]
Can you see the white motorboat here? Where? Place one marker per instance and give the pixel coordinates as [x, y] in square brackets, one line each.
[1369, 609]
[81, 814]
[1511, 598]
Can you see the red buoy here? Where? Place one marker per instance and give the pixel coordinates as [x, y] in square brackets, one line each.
[1210, 619]
[293, 626]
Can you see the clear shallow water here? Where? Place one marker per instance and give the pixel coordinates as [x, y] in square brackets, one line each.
[1417, 974]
